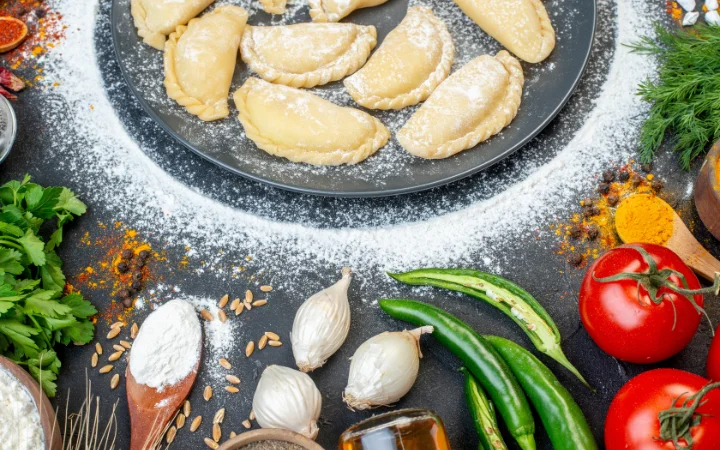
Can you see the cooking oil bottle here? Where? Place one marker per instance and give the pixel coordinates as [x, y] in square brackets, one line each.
[405, 429]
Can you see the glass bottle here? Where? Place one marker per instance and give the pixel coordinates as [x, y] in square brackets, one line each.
[405, 429]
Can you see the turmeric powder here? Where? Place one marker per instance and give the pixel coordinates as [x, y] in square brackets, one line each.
[644, 218]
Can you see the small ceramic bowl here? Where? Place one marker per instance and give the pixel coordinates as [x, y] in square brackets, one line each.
[51, 429]
[8, 127]
[707, 191]
[269, 434]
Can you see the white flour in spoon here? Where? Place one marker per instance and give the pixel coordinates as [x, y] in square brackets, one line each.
[20, 427]
[167, 347]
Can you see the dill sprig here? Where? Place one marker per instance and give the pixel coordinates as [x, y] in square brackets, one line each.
[685, 97]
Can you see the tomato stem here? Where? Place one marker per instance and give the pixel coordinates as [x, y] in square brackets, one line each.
[653, 279]
[677, 422]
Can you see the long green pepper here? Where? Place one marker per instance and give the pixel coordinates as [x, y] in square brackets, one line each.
[508, 297]
[483, 414]
[481, 359]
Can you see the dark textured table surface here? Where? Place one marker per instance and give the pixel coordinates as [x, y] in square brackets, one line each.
[534, 264]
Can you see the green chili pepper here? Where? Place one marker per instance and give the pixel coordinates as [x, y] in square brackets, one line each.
[480, 358]
[483, 413]
[503, 294]
[561, 416]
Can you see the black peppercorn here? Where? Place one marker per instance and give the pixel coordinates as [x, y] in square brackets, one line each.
[136, 285]
[608, 176]
[647, 168]
[637, 180]
[623, 176]
[127, 254]
[613, 199]
[604, 188]
[657, 185]
[590, 211]
[576, 231]
[593, 232]
[127, 302]
[40, 13]
[123, 294]
[576, 259]
[122, 267]
[140, 263]
[588, 202]
[144, 254]
[137, 275]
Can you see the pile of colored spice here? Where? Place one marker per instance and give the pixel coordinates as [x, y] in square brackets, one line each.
[644, 218]
[588, 233]
[12, 32]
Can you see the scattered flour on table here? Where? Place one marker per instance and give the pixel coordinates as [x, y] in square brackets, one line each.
[20, 427]
[168, 345]
[93, 147]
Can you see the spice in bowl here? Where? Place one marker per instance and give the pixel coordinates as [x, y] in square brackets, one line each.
[20, 426]
[644, 218]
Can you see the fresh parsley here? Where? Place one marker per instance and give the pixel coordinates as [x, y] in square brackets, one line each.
[35, 315]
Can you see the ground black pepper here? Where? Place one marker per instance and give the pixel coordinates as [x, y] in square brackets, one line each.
[122, 267]
[127, 254]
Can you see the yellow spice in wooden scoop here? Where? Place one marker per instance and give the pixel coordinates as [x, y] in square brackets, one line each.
[644, 218]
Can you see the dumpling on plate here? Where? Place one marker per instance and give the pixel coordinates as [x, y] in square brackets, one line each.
[521, 26]
[302, 127]
[307, 54]
[155, 19]
[200, 61]
[334, 10]
[411, 62]
[470, 106]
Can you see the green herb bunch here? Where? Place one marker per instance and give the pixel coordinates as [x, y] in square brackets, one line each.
[34, 313]
[685, 96]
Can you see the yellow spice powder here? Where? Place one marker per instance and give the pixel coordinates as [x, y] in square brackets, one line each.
[644, 218]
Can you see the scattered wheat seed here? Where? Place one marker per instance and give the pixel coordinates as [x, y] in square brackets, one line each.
[119, 348]
[235, 303]
[180, 421]
[262, 342]
[259, 303]
[250, 348]
[252, 415]
[248, 305]
[246, 423]
[222, 316]
[117, 325]
[225, 363]
[114, 332]
[266, 288]
[195, 424]
[106, 369]
[272, 336]
[207, 315]
[114, 381]
[187, 408]
[223, 301]
[115, 356]
[134, 330]
[232, 434]
[98, 348]
[126, 344]
[232, 379]
[219, 416]
[94, 360]
[210, 443]
[239, 309]
[217, 432]
[274, 343]
[248, 296]
[207, 393]
[170, 437]
[232, 389]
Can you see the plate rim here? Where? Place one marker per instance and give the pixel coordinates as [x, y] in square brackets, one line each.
[360, 193]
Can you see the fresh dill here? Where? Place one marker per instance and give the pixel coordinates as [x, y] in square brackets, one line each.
[685, 96]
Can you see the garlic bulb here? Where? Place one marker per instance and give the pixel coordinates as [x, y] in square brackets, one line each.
[287, 399]
[384, 368]
[321, 325]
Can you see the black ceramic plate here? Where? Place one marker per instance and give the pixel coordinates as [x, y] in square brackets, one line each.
[391, 171]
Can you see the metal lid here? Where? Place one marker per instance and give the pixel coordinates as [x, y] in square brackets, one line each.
[8, 127]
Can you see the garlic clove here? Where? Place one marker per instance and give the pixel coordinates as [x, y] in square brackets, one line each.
[321, 325]
[288, 399]
[690, 18]
[384, 368]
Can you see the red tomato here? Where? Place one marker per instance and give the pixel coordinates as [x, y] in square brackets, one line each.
[713, 362]
[633, 424]
[629, 326]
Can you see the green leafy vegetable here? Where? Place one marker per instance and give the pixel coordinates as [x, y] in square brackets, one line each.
[685, 96]
[34, 313]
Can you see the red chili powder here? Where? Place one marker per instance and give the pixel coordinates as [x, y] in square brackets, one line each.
[10, 31]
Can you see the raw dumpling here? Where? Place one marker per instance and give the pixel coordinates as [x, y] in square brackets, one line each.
[155, 19]
[303, 127]
[274, 6]
[471, 105]
[307, 54]
[412, 60]
[334, 10]
[200, 60]
[521, 26]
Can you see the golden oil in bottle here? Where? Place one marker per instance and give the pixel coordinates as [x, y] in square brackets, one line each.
[406, 429]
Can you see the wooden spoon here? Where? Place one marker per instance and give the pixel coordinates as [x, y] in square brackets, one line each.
[51, 429]
[687, 247]
[151, 411]
[17, 41]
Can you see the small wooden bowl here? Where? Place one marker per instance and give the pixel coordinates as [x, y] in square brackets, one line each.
[707, 191]
[269, 434]
[51, 429]
[11, 45]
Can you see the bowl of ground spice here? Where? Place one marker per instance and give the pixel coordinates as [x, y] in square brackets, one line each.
[707, 191]
[270, 439]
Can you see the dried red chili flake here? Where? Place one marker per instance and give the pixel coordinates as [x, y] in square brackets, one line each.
[10, 31]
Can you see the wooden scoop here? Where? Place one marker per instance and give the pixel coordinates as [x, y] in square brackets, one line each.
[687, 247]
[151, 411]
